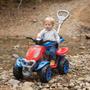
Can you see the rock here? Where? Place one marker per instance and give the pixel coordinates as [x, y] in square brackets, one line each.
[27, 86]
[1, 68]
[51, 81]
[81, 79]
[65, 85]
[51, 88]
[15, 55]
[11, 72]
[82, 47]
[76, 39]
[81, 53]
[59, 85]
[87, 84]
[71, 85]
[5, 76]
[78, 82]
[82, 84]
[36, 87]
[53, 85]
[87, 36]
[77, 87]
[39, 83]
[34, 20]
[44, 89]
[28, 83]
[13, 82]
[60, 88]
[46, 86]
[87, 79]
[65, 88]
[84, 89]
[16, 46]
[88, 88]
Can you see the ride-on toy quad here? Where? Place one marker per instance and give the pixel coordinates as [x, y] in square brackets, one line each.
[37, 59]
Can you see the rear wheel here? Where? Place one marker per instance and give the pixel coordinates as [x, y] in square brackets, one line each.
[17, 71]
[45, 74]
[63, 65]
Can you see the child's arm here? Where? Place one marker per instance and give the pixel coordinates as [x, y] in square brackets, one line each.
[40, 34]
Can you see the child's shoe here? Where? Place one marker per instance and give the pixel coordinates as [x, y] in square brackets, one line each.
[52, 62]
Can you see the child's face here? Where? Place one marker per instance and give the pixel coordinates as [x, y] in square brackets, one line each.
[48, 25]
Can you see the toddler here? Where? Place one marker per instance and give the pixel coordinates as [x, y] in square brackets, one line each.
[49, 33]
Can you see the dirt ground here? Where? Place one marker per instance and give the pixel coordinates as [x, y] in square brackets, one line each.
[16, 24]
[27, 20]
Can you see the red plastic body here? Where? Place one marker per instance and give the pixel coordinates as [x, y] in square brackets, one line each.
[35, 52]
[61, 51]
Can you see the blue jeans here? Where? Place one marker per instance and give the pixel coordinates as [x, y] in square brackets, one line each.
[52, 51]
[51, 48]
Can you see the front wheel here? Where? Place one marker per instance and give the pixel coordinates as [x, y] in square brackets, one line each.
[63, 65]
[45, 74]
[17, 72]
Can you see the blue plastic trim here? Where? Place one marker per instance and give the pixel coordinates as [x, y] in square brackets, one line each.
[49, 74]
[42, 64]
[62, 40]
[66, 68]
[47, 44]
[18, 62]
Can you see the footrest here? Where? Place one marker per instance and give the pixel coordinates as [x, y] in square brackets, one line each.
[53, 66]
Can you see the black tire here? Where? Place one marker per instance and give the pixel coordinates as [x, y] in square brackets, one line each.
[45, 74]
[63, 65]
[17, 72]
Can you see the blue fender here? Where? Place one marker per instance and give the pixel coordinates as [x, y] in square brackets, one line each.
[47, 44]
[19, 62]
[42, 64]
[62, 40]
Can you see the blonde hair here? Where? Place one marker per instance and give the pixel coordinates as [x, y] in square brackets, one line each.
[50, 19]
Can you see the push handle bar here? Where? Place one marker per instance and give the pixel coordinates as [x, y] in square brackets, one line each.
[62, 16]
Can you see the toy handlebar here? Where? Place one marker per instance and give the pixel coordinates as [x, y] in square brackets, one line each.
[34, 40]
[29, 38]
[39, 41]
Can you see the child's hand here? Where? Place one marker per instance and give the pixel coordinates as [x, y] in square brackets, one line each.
[38, 36]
